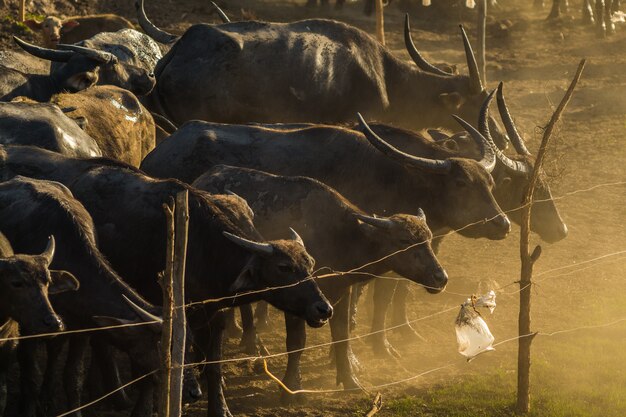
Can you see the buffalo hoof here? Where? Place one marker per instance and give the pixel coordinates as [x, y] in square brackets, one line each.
[349, 381]
[293, 383]
[249, 343]
[383, 349]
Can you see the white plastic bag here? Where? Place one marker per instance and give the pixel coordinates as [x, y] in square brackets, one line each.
[472, 333]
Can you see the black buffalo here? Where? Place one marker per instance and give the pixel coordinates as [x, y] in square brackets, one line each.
[224, 255]
[340, 236]
[25, 283]
[314, 70]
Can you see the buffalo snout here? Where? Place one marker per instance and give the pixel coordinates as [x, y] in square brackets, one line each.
[439, 281]
[318, 313]
[501, 226]
[53, 323]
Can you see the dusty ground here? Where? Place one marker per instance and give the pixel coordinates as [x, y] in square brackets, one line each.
[578, 373]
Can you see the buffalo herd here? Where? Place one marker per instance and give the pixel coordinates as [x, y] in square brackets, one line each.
[303, 147]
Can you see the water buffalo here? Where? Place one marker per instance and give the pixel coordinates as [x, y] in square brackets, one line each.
[24, 62]
[46, 126]
[308, 71]
[102, 299]
[453, 193]
[511, 176]
[223, 259]
[25, 282]
[83, 68]
[55, 30]
[122, 128]
[339, 235]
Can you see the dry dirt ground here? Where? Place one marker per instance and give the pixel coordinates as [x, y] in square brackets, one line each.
[582, 371]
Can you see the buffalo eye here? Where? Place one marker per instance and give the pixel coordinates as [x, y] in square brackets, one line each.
[17, 284]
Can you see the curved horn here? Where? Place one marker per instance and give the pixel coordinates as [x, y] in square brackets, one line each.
[476, 86]
[261, 248]
[419, 60]
[483, 125]
[488, 160]
[143, 314]
[382, 223]
[100, 56]
[514, 136]
[48, 252]
[44, 53]
[295, 236]
[221, 13]
[435, 165]
[151, 30]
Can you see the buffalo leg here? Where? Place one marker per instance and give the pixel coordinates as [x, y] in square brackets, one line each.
[340, 331]
[399, 306]
[615, 6]
[232, 330]
[261, 314]
[145, 400]
[608, 14]
[73, 373]
[355, 296]
[50, 381]
[29, 372]
[103, 357]
[555, 12]
[339, 4]
[368, 8]
[210, 341]
[249, 335]
[600, 23]
[296, 340]
[587, 12]
[383, 294]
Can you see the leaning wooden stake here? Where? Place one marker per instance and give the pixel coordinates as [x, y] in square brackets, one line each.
[380, 21]
[528, 259]
[22, 10]
[482, 30]
[165, 279]
[179, 324]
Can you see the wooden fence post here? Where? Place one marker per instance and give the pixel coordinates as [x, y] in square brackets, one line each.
[22, 10]
[528, 259]
[179, 325]
[482, 34]
[380, 21]
[165, 280]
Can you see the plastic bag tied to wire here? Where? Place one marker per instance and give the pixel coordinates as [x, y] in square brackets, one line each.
[472, 333]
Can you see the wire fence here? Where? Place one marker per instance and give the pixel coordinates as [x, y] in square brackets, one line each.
[570, 269]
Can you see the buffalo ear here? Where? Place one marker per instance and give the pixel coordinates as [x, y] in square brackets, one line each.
[70, 25]
[244, 282]
[451, 145]
[452, 101]
[62, 281]
[33, 25]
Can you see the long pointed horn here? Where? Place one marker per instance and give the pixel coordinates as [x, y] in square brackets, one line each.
[419, 60]
[44, 53]
[261, 248]
[382, 223]
[143, 314]
[100, 56]
[295, 236]
[151, 30]
[476, 86]
[48, 252]
[435, 165]
[483, 124]
[221, 13]
[488, 160]
[511, 130]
